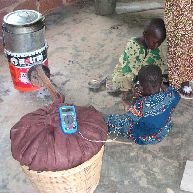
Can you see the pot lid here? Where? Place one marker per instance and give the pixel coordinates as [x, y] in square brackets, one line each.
[22, 17]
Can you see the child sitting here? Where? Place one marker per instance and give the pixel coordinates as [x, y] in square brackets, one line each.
[148, 120]
[140, 51]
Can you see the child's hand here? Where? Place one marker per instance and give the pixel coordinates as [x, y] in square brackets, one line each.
[137, 92]
[124, 101]
[164, 87]
[125, 105]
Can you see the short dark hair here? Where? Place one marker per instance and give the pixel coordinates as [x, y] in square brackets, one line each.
[156, 24]
[150, 75]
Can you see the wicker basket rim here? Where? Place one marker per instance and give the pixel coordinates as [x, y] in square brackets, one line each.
[71, 170]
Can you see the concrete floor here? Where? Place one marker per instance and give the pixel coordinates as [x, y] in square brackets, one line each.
[82, 44]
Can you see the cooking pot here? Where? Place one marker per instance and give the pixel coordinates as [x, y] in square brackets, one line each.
[23, 31]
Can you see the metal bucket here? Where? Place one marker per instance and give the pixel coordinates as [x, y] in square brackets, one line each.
[25, 45]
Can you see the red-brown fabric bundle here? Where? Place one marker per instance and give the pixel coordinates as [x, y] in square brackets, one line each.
[38, 142]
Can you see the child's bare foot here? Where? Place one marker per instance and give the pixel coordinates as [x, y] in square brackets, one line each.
[110, 88]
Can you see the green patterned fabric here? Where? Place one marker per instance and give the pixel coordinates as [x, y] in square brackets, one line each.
[131, 61]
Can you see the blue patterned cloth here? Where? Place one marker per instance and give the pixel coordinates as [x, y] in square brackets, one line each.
[148, 121]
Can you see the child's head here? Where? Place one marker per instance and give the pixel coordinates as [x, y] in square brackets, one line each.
[154, 33]
[150, 79]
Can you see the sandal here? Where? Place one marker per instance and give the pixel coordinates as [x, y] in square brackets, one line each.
[109, 86]
[97, 82]
[186, 92]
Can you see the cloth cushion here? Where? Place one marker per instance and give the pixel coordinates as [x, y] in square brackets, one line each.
[38, 142]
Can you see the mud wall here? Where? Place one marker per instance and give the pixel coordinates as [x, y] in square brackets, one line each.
[42, 6]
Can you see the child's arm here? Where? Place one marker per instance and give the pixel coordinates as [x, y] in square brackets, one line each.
[131, 59]
[160, 60]
[176, 96]
[129, 100]
[137, 91]
[125, 102]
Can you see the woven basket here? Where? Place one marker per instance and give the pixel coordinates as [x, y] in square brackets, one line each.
[81, 179]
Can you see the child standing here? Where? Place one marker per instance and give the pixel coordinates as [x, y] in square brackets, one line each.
[140, 51]
[148, 120]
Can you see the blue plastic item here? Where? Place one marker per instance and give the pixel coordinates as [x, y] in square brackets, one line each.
[68, 119]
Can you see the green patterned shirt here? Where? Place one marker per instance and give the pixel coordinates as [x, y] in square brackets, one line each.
[133, 58]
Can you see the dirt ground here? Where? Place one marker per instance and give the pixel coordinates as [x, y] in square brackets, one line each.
[81, 45]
